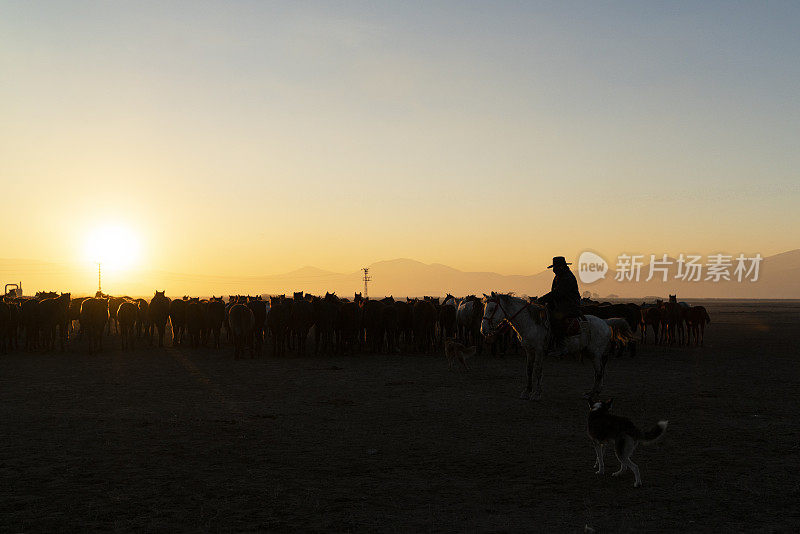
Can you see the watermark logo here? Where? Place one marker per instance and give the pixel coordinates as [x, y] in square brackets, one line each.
[591, 267]
[686, 268]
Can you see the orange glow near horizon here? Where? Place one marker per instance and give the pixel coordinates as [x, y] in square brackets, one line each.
[251, 139]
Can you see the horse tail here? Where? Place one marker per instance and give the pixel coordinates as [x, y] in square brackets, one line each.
[706, 317]
[620, 330]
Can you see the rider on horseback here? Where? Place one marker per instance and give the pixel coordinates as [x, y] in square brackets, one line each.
[563, 301]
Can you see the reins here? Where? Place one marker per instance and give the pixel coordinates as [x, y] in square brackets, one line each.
[506, 317]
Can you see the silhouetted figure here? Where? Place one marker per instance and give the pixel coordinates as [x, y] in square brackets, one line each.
[564, 299]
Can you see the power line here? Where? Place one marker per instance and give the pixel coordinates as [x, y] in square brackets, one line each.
[367, 278]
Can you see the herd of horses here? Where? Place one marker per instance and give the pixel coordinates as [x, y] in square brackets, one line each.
[49, 321]
[673, 322]
[337, 325]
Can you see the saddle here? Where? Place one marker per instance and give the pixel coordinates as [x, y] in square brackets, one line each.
[573, 327]
[577, 327]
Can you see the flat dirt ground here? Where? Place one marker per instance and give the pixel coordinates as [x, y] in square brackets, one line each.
[175, 439]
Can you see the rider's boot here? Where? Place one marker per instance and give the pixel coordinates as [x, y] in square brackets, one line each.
[558, 346]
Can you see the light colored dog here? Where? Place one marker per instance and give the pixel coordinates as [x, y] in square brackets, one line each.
[604, 428]
[454, 350]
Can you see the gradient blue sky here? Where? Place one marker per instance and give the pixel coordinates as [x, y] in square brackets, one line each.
[255, 137]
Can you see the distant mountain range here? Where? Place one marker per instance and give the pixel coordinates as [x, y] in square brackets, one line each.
[779, 277]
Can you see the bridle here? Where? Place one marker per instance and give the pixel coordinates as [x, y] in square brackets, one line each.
[506, 319]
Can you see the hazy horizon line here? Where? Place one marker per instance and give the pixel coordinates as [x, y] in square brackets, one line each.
[76, 264]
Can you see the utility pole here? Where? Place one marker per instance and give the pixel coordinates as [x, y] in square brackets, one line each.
[99, 286]
[367, 278]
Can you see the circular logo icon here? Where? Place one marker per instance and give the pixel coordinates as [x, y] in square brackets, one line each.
[591, 267]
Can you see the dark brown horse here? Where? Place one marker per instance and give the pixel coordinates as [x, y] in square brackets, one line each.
[424, 318]
[372, 322]
[325, 310]
[94, 316]
[405, 323]
[142, 318]
[301, 319]
[348, 327]
[280, 309]
[447, 318]
[158, 314]
[241, 322]
[697, 318]
[672, 321]
[113, 306]
[54, 315]
[177, 316]
[75, 314]
[5, 326]
[216, 317]
[259, 309]
[391, 325]
[126, 323]
[195, 321]
[651, 317]
[31, 322]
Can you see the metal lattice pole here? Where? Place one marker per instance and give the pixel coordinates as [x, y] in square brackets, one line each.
[367, 278]
[99, 285]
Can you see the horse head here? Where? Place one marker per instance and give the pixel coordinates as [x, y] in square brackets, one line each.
[493, 314]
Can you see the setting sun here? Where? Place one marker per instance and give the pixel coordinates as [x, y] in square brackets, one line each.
[115, 247]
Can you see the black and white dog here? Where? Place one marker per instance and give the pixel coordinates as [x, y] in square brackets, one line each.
[604, 428]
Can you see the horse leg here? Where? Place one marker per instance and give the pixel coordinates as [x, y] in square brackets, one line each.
[598, 373]
[599, 360]
[537, 367]
[529, 361]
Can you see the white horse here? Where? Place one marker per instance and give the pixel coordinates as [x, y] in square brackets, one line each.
[467, 315]
[450, 300]
[531, 322]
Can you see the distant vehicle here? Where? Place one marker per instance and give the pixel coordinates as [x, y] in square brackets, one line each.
[15, 291]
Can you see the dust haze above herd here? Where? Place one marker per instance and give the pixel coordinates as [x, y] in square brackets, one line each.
[779, 278]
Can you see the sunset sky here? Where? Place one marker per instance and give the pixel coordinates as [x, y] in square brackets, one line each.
[246, 138]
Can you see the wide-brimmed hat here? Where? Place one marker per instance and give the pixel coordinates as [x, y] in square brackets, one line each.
[558, 260]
